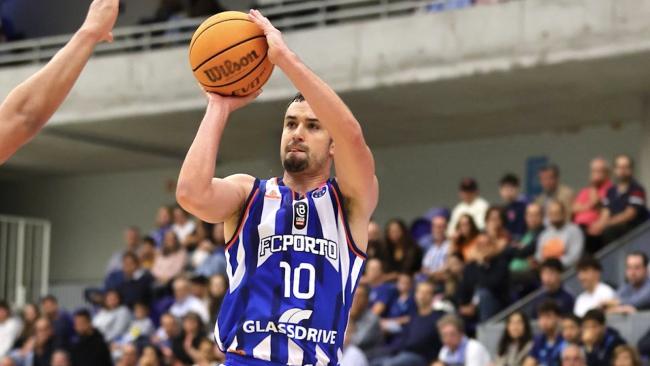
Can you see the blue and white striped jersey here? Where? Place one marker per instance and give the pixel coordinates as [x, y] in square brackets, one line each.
[293, 269]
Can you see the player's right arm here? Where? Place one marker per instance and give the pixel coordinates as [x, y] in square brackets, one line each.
[212, 199]
[31, 104]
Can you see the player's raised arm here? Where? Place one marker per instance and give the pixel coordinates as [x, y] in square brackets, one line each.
[355, 166]
[208, 198]
[31, 104]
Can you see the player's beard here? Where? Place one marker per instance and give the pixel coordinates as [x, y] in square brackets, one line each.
[295, 164]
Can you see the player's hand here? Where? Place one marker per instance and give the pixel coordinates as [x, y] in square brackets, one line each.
[230, 104]
[101, 19]
[277, 47]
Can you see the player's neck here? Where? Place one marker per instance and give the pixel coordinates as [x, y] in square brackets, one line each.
[304, 182]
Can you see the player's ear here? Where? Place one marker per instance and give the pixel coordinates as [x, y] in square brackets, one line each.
[331, 147]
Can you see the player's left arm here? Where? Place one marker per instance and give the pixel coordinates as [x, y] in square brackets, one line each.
[355, 165]
[31, 104]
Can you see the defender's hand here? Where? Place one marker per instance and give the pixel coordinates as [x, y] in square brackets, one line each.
[277, 47]
[230, 104]
[101, 19]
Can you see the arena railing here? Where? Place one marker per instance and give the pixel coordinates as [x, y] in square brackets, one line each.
[24, 259]
[285, 15]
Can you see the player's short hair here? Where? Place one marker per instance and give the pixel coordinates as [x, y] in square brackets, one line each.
[296, 99]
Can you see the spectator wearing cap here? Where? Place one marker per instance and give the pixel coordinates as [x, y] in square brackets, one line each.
[588, 203]
[561, 239]
[553, 190]
[10, 328]
[595, 293]
[552, 289]
[514, 205]
[599, 340]
[470, 203]
[547, 345]
[624, 204]
[634, 294]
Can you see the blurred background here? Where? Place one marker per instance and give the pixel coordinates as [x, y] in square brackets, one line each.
[453, 96]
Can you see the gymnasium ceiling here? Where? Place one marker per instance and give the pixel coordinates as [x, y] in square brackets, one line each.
[562, 97]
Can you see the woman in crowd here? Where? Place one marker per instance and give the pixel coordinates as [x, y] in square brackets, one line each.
[495, 227]
[516, 341]
[186, 345]
[170, 260]
[151, 356]
[217, 291]
[29, 316]
[403, 254]
[464, 239]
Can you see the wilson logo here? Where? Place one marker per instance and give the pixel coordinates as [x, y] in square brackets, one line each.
[230, 67]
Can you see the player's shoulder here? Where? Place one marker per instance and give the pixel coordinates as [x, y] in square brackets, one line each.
[246, 183]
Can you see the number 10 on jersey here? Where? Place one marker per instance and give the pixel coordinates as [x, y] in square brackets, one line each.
[292, 278]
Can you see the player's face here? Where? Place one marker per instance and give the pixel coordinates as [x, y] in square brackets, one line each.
[305, 145]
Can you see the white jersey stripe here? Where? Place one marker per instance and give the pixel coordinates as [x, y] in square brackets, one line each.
[296, 354]
[263, 350]
[272, 201]
[327, 219]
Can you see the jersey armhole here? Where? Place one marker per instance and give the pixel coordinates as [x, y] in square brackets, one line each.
[244, 213]
[348, 233]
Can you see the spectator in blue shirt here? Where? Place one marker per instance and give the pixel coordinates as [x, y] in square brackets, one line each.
[551, 276]
[402, 306]
[624, 204]
[382, 293]
[599, 340]
[420, 343]
[548, 345]
[634, 294]
[514, 205]
[60, 319]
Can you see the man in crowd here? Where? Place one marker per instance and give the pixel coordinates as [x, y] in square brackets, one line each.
[9, 328]
[61, 320]
[634, 294]
[625, 203]
[419, 343]
[457, 348]
[470, 203]
[523, 277]
[89, 346]
[548, 345]
[553, 190]
[595, 293]
[599, 341]
[514, 205]
[587, 205]
[382, 293]
[573, 355]
[132, 240]
[433, 264]
[185, 302]
[552, 289]
[561, 239]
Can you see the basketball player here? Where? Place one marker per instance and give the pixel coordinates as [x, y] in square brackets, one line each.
[31, 104]
[296, 242]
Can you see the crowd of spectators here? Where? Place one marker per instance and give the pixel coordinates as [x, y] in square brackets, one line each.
[419, 301]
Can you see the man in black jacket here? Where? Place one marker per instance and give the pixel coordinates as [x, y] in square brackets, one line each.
[599, 340]
[89, 347]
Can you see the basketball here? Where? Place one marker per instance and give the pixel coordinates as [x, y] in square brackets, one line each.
[228, 55]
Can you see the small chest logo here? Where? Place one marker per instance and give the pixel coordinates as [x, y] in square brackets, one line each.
[319, 193]
[300, 210]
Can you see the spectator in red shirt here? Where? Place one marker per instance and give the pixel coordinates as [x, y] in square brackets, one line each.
[587, 205]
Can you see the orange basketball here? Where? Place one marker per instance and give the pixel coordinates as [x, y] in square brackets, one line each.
[228, 55]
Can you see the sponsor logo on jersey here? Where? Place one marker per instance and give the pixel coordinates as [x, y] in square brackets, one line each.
[272, 195]
[299, 243]
[319, 193]
[300, 210]
[289, 325]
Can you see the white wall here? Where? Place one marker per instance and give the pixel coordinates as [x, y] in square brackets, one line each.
[89, 212]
